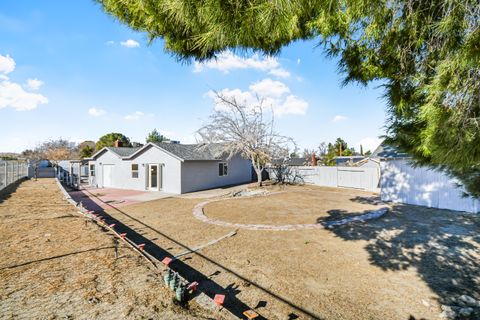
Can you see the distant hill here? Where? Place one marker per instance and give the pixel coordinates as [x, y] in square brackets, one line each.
[9, 155]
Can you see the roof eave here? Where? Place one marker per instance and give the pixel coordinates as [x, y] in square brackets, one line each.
[96, 154]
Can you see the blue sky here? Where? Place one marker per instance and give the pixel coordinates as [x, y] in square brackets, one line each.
[69, 70]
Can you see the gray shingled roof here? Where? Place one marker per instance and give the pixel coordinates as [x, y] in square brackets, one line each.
[123, 151]
[385, 151]
[194, 152]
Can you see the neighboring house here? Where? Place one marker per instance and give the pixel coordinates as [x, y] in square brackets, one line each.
[402, 182]
[169, 167]
[347, 160]
[295, 161]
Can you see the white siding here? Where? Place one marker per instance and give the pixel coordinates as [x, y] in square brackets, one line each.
[199, 175]
[122, 172]
[170, 171]
[402, 183]
[177, 176]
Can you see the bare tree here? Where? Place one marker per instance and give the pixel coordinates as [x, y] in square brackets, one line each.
[283, 173]
[322, 149]
[246, 130]
[56, 150]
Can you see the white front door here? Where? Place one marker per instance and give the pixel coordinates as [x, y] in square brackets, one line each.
[154, 177]
[107, 175]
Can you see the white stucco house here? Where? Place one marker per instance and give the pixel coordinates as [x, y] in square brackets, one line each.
[168, 167]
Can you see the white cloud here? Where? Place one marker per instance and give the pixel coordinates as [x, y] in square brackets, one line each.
[269, 88]
[280, 73]
[12, 94]
[298, 61]
[134, 116]
[109, 43]
[339, 118]
[227, 61]
[292, 105]
[369, 143]
[7, 64]
[130, 44]
[34, 84]
[95, 112]
[274, 94]
[243, 97]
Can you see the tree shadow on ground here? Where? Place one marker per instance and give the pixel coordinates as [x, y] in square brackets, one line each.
[339, 214]
[367, 200]
[441, 245]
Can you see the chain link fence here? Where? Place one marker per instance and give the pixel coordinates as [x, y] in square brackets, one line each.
[12, 171]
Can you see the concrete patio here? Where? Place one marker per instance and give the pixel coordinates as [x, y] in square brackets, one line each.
[107, 197]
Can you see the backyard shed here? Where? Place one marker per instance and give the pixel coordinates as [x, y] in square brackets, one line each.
[169, 167]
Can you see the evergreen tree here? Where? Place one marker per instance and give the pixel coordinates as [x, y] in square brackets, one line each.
[109, 139]
[86, 151]
[425, 52]
[155, 136]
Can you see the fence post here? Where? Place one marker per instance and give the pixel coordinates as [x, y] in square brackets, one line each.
[5, 175]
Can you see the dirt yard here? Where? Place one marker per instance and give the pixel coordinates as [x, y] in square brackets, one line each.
[401, 266]
[54, 266]
[297, 206]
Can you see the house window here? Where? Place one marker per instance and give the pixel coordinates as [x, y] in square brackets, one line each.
[222, 169]
[134, 170]
[92, 170]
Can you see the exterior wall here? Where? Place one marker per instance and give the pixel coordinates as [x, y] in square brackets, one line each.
[364, 178]
[402, 183]
[122, 170]
[199, 175]
[105, 158]
[170, 171]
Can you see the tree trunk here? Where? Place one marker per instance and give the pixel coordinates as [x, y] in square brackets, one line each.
[259, 176]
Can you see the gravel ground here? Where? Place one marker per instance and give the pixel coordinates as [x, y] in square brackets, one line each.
[55, 266]
[401, 266]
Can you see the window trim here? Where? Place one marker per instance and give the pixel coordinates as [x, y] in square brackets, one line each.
[223, 165]
[91, 171]
[137, 171]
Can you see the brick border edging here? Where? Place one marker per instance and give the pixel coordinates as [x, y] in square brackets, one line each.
[198, 212]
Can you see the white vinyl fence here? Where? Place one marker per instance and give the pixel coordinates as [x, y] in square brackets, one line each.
[363, 178]
[12, 171]
[403, 183]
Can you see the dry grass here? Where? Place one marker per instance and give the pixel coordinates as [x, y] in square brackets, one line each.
[295, 206]
[389, 268]
[55, 266]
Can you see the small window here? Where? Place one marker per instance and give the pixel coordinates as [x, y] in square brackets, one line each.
[92, 170]
[134, 170]
[222, 169]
